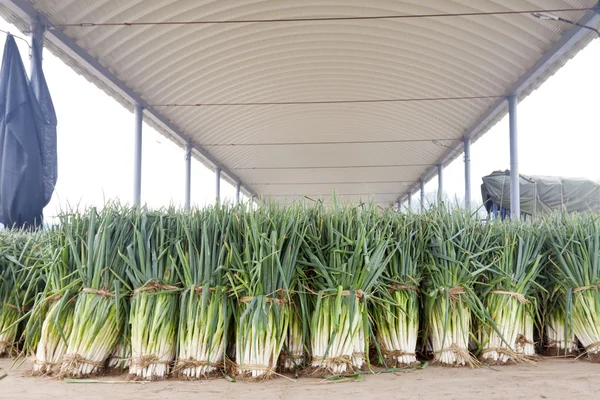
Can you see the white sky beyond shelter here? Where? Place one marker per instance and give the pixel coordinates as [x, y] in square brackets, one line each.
[287, 98]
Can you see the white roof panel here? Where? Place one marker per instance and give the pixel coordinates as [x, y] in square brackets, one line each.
[382, 101]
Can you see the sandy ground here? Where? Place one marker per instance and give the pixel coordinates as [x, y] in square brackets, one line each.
[549, 379]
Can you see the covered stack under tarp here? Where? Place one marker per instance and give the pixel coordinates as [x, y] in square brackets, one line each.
[542, 194]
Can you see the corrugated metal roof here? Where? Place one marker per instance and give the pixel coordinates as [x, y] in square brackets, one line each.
[285, 150]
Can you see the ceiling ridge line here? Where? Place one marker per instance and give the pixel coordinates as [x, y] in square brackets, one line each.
[319, 19]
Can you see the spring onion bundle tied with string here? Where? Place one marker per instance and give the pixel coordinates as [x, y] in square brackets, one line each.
[292, 358]
[575, 244]
[264, 249]
[347, 252]
[99, 313]
[396, 311]
[558, 330]
[205, 307]
[56, 304]
[514, 265]
[151, 267]
[20, 281]
[457, 244]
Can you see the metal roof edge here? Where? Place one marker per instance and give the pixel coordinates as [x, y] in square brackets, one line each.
[529, 82]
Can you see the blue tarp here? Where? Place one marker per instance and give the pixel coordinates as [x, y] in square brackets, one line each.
[27, 142]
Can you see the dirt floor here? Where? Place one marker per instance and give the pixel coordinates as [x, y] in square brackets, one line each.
[549, 379]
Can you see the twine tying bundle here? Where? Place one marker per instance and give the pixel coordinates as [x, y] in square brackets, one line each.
[339, 360]
[518, 296]
[461, 353]
[144, 362]
[281, 300]
[360, 295]
[500, 350]
[396, 353]
[583, 288]
[593, 346]
[454, 292]
[56, 298]
[522, 340]
[248, 299]
[191, 363]
[98, 292]
[512, 355]
[199, 289]
[246, 368]
[153, 286]
[75, 361]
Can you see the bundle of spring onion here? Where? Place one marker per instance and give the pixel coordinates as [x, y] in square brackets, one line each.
[205, 308]
[56, 304]
[264, 249]
[575, 244]
[514, 265]
[454, 262]
[152, 269]
[99, 313]
[396, 309]
[346, 252]
[20, 281]
[559, 336]
[292, 358]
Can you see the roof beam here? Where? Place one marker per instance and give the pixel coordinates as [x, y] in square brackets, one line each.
[27, 12]
[563, 46]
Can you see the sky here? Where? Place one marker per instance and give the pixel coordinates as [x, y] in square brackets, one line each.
[557, 126]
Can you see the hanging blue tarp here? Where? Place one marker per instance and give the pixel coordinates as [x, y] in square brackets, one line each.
[27, 142]
[48, 126]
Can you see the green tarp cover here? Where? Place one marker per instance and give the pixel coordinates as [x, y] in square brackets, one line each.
[542, 194]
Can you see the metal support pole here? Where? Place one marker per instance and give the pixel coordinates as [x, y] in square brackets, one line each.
[467, 174]
[188, 176]
[515, 194]
[38, 31]
[238, 189]
[440, 194]
[138, 116]
[422, 196]
[218, 184]
[410, 201]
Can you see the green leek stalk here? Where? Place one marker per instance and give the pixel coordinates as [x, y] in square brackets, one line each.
[56, 329]
[514, 266]
[263, 254]
[335, 325]
[344, 257]
[559, 336]
[458, 242]
[396, 312]
[9, 315]
[294, 348]
[20, 281]
[99, 313]
[55, 307]
[152, 261]
[575, 243]
[205, 305]
[120, 358]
